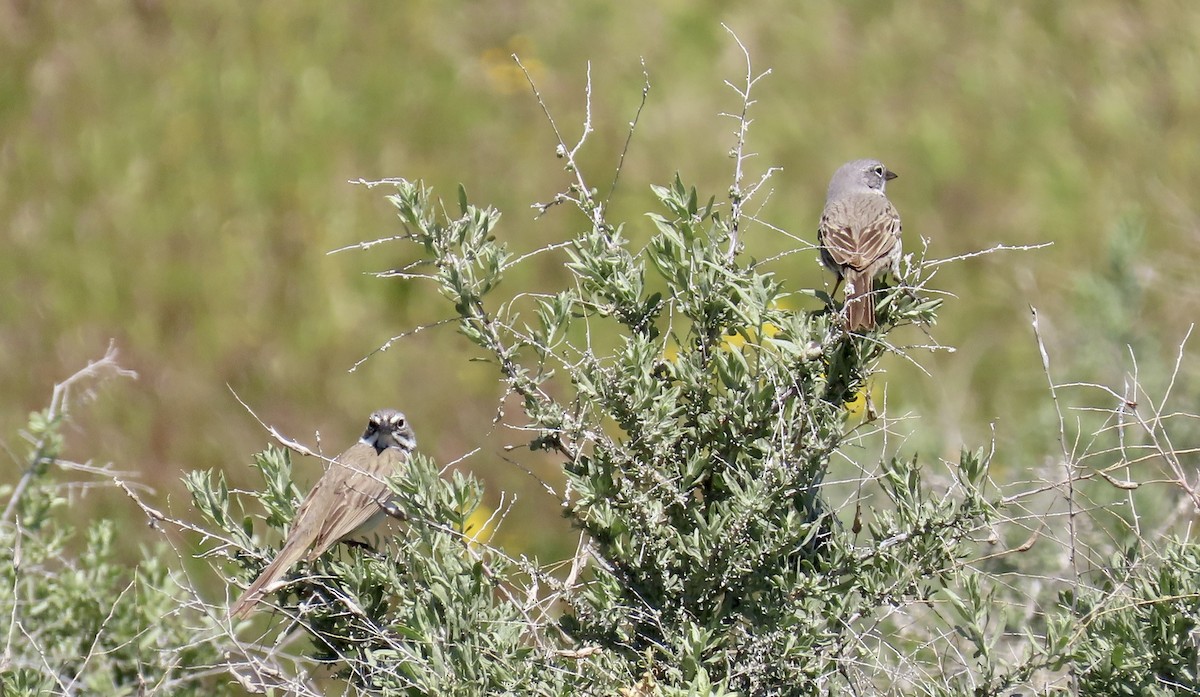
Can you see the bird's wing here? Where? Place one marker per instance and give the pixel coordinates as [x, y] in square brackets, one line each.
[858, 231]
[304, 529]
[360, 492]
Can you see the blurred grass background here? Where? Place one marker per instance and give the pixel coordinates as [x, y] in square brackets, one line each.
[172, 175]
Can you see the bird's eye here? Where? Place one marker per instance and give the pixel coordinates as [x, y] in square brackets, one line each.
[878, 170]
[400, 422]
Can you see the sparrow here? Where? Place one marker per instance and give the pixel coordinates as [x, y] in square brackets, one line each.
[348, 501]
[859, 235]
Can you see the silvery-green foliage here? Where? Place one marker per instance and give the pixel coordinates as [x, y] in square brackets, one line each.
[78, 617]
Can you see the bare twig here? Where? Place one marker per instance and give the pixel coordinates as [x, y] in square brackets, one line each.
[101, 371]
[283, 440]
[402, 335]
[933, 263]
[739, 196]
[629, 136]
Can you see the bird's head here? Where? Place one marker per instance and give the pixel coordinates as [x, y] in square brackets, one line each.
[389, 428]
[858, 175]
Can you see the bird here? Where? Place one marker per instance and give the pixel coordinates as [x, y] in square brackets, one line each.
[859, 235]
[346, 502]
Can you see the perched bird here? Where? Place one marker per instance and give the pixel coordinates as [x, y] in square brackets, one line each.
[345, 503]
[859, 235]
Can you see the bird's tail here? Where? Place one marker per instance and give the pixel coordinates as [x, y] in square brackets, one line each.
[860, 302]
[287, 556]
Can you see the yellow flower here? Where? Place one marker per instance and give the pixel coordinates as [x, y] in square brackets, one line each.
[862, 406]
[737, 340]
[480, 526]
[728, 341]
[502, 72]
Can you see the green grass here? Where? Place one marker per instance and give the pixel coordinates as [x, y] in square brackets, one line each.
[173, 174]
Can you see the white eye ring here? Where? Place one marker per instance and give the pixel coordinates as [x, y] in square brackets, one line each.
[878, 170]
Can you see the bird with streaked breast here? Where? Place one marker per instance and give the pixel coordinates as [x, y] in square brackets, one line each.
[347, 502]
[859, 235]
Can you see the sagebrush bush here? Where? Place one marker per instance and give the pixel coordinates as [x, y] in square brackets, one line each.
[80, 619]
[746, 532]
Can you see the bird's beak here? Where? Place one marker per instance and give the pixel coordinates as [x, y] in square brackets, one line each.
[889, 175]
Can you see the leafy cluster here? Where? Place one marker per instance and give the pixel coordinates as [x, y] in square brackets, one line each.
[696, 448]
[1137, 635]
[80, 619]
[424, 611]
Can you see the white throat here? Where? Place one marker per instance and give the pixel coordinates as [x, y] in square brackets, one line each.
[405, 444]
